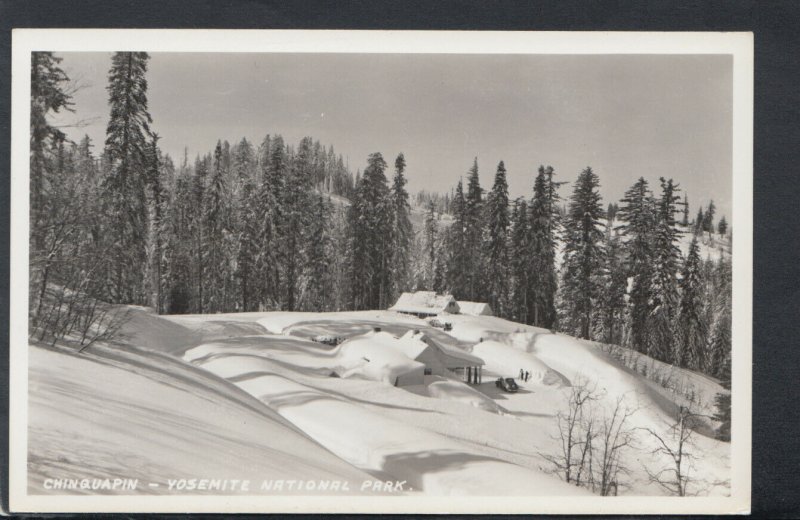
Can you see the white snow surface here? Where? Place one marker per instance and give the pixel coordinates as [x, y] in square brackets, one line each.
[251, 396]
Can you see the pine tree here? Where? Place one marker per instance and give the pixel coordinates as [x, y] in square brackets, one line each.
[722, 228]
[666, 257]
[637, 213]
[402, 231]
[157, 201]
[457, 270]
[685, 204]
[541, 254]
[614, 284]
[270, 212]
[127, 135]
[719, 346]
[722, 403]
[691, 325]
[583, 255]
[708, 219]
[294, 206]
[370, 224]
[198, 225]
[473, 236]
[318, 295]
[431, 234]
[520, 262]
[178, 242]
[497, 246]
[213, 239]
[48, 95]
[699, 222]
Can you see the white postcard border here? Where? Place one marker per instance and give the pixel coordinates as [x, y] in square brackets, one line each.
[739, 45]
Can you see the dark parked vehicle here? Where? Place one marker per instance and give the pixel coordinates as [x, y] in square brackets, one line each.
[508, 384]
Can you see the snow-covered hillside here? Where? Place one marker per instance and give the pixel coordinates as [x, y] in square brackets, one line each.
[252, 396]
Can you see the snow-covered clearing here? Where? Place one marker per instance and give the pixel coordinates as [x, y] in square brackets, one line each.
[252, 396]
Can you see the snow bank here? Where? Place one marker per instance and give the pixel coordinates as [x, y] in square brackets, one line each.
[506, 361]
[144, 329]
[155, 418]
[428, 461]
[463, 393]
[379, 356]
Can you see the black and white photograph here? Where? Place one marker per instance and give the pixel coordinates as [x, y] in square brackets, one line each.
[302, 271]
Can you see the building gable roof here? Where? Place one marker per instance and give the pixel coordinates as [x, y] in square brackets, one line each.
[425, 302]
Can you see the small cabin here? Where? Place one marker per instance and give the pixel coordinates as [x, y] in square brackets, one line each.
[475, 308]
[440, 359]
[425, 304]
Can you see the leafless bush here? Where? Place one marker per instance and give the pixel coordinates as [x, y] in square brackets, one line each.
[614, 437]
[676, 442]
[592, 439]
[575, 434]
[73, 316]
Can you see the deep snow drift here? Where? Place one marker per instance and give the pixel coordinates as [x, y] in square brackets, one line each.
[252, 396]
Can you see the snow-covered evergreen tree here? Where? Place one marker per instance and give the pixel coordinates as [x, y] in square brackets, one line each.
[458, 260]
[685, 221]
[431, 237]
[722, 402]
[48, 96]
[294, 204]
[199, 231]
[699, 221]
[708, 218]
[583, 256]
[497, 243]
[402, 231]
[638, 217]
[722, 227]
[614, 282]
[127, 136]
[520, 260]
[157, 200]
[473, 236]
[664, 290]
[541, 255]
[270, 209]
[370, 236]
[319, 287]
[213, 237]
[692, 328]
[719, 346]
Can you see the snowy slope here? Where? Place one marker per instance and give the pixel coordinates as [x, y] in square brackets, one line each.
[251, 396]
[515, 428]
[139, 415]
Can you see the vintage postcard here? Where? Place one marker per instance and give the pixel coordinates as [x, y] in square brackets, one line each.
[381, 271]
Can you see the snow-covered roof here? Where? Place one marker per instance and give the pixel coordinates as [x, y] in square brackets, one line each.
[376, 356]
[475, 308]
[425, 302]
[415, 343]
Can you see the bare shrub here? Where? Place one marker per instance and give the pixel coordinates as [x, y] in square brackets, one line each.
[676, 442]
[592, 438]
[575, 434]
[614, 436]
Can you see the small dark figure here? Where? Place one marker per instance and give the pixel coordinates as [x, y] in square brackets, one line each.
[527, 376]
[520, 373]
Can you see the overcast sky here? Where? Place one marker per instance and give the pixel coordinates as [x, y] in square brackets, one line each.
[625, 116]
